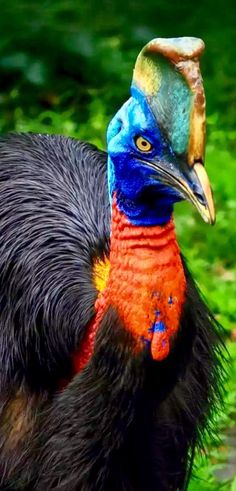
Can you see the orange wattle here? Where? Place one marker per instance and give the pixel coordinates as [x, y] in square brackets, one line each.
[146, 285]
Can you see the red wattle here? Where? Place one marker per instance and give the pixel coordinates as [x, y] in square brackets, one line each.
[146, 285]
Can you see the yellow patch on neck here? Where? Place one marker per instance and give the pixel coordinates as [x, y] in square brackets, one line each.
[101, 269]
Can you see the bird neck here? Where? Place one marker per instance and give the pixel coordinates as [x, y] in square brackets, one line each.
[142, 202]
[145, 284]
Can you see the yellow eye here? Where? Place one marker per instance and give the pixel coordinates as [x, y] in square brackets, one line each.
[142, 144]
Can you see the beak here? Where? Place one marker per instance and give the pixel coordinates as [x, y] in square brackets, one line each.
[198, 191]
[192, 183]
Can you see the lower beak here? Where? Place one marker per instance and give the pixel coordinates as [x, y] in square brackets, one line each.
[197, 189]
[193, 184]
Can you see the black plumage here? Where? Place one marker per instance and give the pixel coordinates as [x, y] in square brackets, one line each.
[125, 422]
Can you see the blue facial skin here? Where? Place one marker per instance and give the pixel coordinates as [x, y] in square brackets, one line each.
[140, 196]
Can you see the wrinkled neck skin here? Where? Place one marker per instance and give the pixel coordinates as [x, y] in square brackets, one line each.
[146, 282]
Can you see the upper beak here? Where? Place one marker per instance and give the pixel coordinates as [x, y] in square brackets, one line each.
[192, 183]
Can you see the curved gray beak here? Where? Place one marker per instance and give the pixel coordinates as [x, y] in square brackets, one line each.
[192, 183]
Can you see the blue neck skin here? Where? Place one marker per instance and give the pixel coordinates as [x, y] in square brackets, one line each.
[140, 195]
[147, 208]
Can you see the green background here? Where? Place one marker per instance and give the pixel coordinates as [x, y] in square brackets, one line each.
[66, 67]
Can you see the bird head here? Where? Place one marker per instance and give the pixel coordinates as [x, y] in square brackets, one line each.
[156, 141]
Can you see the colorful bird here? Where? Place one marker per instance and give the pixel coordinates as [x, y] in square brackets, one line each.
[110, 359]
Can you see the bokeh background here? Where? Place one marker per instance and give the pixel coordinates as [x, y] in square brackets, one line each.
[66, 67]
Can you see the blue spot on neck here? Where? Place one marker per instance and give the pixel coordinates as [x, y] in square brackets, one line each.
[158, 326]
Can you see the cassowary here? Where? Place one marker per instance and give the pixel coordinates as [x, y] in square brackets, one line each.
[110, 359]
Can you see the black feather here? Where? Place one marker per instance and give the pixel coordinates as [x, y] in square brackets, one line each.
[124, 423]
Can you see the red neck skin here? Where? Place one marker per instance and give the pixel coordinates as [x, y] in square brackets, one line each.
[146, 285]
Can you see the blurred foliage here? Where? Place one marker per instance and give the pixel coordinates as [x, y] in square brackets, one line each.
[66, 68]
[64, 55]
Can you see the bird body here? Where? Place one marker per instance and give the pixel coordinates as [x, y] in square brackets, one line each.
[110, 360]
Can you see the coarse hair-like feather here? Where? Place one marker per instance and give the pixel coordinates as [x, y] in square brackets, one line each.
[125, 422]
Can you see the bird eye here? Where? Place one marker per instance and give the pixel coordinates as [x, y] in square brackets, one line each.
[142, 144]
